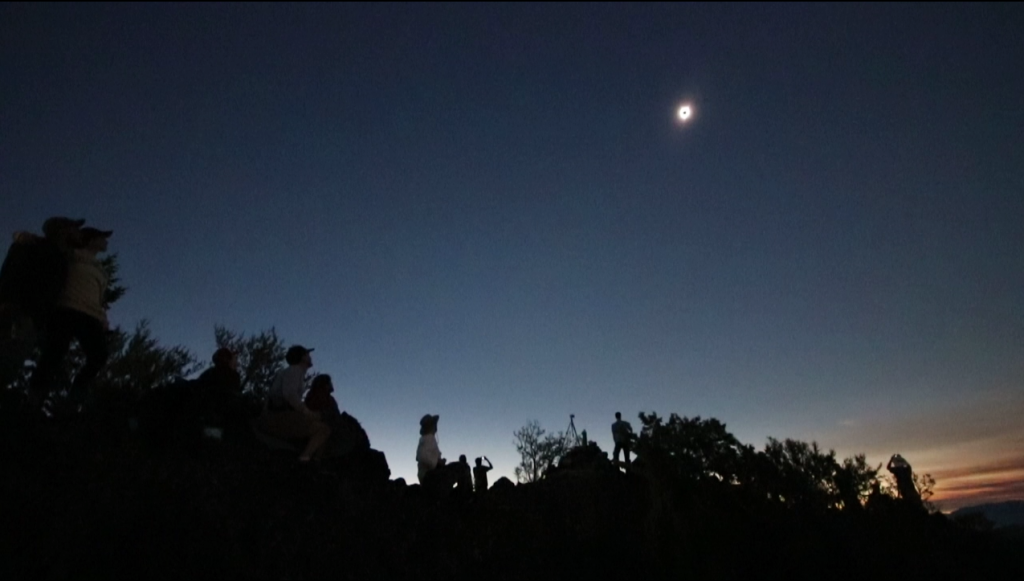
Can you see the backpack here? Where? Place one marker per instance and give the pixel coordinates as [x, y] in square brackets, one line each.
[33, 276]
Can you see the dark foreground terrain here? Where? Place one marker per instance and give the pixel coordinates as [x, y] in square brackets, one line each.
[89, 498]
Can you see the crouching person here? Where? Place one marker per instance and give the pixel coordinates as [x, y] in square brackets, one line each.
[285, 416]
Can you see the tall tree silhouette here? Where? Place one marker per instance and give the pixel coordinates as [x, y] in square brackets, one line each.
[137, 361]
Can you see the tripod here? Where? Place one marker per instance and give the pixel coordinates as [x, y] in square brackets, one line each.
[572, 439]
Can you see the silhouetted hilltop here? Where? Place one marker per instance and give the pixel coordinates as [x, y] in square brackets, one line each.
[1001, 514]
[89, 498]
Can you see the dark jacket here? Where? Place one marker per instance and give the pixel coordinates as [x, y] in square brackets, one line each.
[33, 276]
[221, 379]
[320, 400]
[218, 393]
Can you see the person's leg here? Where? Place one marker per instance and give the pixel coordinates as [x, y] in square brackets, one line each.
[56, 343]
[292, 425]
[319, 433]
[18, 339]
[93, 340]
[615, 454]
[625, 450]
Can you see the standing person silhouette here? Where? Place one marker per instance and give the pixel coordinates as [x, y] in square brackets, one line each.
[428, 455]
[81, 315]
[904, 475]
[622, 434]
[480, 474]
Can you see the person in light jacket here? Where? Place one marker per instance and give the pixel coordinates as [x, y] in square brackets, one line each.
[81, 315]
[428, 455]
[286, 415]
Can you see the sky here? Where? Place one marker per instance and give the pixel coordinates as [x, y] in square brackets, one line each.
[491, 213]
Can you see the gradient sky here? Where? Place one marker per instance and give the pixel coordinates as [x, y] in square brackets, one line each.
[490, 213]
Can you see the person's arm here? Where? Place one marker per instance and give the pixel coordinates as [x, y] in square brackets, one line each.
[489, 465]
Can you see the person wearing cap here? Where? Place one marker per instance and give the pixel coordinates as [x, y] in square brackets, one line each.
[31, 280]
[285, 415]
[64, 232]
[34, 271]
[81, 314]
[428, 455]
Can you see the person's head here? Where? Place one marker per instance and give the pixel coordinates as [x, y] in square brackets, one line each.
[65, 232]
[299, 355]
[225, 357]
[58, 225]
[322, 382]
[462, 459]
[428, 424]
[93, 239]
[618, 415]
[479, 461]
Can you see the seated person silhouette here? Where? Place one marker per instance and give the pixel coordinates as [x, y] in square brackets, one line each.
[347, 435]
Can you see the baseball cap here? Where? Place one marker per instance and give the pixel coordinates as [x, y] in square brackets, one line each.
[296, 353]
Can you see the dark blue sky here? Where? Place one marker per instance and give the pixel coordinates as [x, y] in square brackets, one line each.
[490, 212]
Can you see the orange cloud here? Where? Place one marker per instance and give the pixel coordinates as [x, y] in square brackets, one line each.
[968, 494]
[973, 450]
[990, 469]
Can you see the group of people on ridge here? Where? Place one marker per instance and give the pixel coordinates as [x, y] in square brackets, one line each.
[434, 470]
[54, 290]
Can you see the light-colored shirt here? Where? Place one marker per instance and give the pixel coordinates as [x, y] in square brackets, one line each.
[427, 456]
[427, 452]
[289, 385]
[85, 286]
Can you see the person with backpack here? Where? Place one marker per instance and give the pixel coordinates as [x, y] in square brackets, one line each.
[347, 435]
[319, 398]
[31, 281]
[80, 314]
